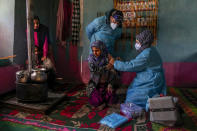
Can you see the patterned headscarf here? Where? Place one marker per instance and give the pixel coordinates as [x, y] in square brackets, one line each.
[103, 58]
[118, 18]
[116, 14]
[145, 38]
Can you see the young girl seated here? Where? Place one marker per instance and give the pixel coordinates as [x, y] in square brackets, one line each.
[100, 87]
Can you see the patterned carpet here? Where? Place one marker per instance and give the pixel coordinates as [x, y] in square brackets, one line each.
[75, 114]
[187, 100]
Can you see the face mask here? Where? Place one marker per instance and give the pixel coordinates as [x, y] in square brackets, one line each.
[137, 46]
[113, 26]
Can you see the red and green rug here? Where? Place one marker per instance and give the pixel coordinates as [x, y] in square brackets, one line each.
[187, 100]
[74, 114]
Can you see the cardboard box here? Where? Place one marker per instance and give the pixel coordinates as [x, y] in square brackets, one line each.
[163, 110]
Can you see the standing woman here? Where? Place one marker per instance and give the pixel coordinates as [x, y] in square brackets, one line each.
[150, 80]
[41, 38]
[106, 29]
[43, 55]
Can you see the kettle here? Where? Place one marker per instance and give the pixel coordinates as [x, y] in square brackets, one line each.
[22, 76]
[39, 75]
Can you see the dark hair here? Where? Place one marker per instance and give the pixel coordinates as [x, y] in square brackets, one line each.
[36, 18]
[115, 13]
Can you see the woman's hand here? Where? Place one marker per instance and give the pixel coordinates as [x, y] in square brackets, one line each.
[118, 58]
[43, 58]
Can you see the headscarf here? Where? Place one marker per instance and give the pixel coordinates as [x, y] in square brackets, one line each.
[117, 14]
[103, 58]
[118, 17]
[37, 18]
[145, 38]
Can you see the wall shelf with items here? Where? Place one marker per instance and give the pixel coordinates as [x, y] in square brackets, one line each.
[138, 14]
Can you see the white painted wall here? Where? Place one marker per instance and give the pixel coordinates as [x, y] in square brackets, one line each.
[6, 27]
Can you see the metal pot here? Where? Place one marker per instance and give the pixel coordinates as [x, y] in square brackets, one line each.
[39, 75]
[22, 76]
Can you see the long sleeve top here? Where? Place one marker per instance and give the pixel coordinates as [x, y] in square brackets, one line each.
[98, 29]
[150, 79]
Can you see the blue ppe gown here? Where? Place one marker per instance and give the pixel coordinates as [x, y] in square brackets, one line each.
[98, 29]
[149, 80]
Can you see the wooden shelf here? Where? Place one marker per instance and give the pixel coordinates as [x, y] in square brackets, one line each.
[138, 14]
[134, 10]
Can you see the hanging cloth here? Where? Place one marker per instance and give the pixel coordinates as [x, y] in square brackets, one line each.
[66, 32]
[76, 22]
[60, 20]
[64, 19]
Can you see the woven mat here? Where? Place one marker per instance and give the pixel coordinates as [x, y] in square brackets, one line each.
[77, 114]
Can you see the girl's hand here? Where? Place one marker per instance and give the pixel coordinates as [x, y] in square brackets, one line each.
[109, 66]
[111, 61]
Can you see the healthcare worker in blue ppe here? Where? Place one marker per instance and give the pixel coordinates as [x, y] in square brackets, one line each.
[149, 81]
[106, 29]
